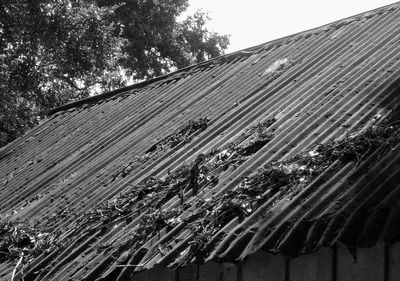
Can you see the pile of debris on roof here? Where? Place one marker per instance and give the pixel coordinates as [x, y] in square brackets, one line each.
[145, 202]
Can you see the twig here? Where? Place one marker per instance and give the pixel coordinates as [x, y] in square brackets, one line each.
[17, 266]
[118, 209]
[5, 253]
[393, 123]
[129, 265]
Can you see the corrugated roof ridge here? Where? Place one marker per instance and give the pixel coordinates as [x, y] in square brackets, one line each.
[325, 26]
[246, 51]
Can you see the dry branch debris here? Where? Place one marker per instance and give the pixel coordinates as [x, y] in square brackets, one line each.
[146, 199]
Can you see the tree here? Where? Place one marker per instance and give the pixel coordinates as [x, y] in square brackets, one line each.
[51, 52]
[157, 42]
[55, 51]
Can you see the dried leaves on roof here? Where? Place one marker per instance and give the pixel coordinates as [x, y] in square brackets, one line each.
[183, 135]
[144, 202]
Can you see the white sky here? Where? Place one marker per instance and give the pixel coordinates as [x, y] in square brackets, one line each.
[253, 22]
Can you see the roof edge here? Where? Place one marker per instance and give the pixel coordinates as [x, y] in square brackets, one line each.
[112, 93]
[280, 39]
[245, 51]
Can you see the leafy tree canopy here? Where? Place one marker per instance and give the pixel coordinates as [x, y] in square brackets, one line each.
[55, 51]
[156, 41]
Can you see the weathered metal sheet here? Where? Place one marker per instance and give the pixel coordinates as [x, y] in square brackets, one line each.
[284, 147]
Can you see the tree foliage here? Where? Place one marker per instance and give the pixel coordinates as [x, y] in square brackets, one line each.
[55, 51]
[156, 41]
[51, 52]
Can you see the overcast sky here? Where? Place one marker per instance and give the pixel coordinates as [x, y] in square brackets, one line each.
[253, 22]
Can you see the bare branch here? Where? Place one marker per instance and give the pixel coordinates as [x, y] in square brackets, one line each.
[17, 266]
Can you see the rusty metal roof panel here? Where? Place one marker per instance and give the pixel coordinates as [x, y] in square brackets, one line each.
[285, 147]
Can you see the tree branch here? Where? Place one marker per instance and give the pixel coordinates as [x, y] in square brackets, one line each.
[17, 266]
[70, 82]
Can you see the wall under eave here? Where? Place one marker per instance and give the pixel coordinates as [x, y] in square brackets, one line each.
[328, 264]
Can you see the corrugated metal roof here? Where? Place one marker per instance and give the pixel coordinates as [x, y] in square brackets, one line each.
[284, 147]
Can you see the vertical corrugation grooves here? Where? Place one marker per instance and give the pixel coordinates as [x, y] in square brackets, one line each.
[386, 262]
[334, 262]
[239, 272]
[287, 269]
